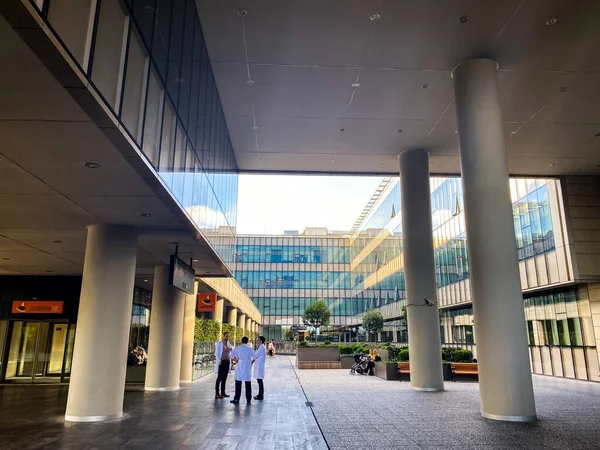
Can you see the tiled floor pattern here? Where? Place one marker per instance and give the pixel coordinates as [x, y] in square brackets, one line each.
[32, 417]
[370, 413]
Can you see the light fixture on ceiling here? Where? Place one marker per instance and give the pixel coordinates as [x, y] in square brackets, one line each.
[149, 9]
[194, 260]
[463, 19]
[424, 86]
[146, 215]
[242, 12]
[355, 85]
[58, 242]
[375, 17]
[455, 131]
[145, 281]
[249, 82]
[551, 21]
[399, 131]
[564, 89]
[92, 165]
[551, 165]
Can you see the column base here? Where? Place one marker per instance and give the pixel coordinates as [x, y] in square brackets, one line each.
[93, 418]
[162, 389]
[185, 381]
[509, 418]
[424, 389]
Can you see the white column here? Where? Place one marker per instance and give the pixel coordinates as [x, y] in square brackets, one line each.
[241, 320]
[99, 364]
[419, 270]
[217, 314]
[166, 331]
[504, 374]
[187, 340]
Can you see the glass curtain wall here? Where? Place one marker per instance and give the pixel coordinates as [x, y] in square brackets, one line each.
[148, 62]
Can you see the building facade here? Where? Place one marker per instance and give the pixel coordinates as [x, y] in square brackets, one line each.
[363, 269]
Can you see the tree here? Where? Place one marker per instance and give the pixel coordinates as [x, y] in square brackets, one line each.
[372, 321]
[317, 315]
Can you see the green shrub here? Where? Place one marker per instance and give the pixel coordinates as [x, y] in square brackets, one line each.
[464, 356]
[403, 355]
[448, 354]
[303, 344]
[327, 343]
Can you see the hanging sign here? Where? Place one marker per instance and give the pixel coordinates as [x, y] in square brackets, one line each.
[37, 307]
[207, 302]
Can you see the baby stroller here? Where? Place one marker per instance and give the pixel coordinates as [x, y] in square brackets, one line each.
[360, 365]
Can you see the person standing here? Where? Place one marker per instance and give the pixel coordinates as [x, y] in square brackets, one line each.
[244, 356]
[271, 349]
[222, 365]
[260, 355]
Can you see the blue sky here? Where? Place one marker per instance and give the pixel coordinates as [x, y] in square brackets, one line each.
[270, 204]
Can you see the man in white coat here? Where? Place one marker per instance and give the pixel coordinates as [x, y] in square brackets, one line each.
[244, 355]
[260, 355]
[222, 365]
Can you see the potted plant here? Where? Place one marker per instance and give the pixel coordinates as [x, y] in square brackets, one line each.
[387, 370]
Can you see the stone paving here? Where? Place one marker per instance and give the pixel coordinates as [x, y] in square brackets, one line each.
[370, 413]
[31, 417]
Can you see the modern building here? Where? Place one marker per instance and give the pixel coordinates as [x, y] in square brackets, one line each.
[124, 125]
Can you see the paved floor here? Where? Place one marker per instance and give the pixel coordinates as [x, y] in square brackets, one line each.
[367, 412]
[32, 417]
[353, 412]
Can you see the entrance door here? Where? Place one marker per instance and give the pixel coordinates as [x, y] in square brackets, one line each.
[39, 351]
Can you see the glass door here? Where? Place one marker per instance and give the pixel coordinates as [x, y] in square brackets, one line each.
[39, 352]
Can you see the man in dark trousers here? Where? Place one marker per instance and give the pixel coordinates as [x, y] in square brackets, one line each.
[244, 357]
[222, 365]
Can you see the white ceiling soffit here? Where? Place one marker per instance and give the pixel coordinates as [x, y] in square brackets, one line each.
[48, 197]
[303, 58]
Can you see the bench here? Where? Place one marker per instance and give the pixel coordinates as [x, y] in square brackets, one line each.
[403, 368]
[464, 369]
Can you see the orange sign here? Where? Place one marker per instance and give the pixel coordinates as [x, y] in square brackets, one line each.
[207, 302]
[37, 307]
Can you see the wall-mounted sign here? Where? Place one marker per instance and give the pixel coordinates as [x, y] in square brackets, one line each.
[207, 302]
[37, 307]
[298, 328]
[181, 275]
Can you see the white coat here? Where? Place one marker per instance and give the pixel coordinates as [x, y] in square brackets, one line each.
[219, 354]
[260, 355]
[243, 368]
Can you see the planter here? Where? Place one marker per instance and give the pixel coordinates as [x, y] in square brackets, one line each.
[447, 372]
[318, 358]
[386, 371]
[347, 362]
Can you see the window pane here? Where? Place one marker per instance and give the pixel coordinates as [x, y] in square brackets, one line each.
[135, 84]
[154, 107]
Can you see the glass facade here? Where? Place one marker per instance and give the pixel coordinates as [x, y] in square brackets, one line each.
[147, 61]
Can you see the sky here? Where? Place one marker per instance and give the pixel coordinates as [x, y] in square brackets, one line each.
[271, 204]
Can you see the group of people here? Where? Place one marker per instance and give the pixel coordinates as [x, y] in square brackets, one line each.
[244, 358]
[137, 357]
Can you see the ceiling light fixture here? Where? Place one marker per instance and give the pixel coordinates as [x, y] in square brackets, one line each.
[249, 82]
[551, 165]
[563, 89]
[355, 85]
[242, 12]
[58, 242]
[194, 260]
[424, 86]
[92, 165]
[342, 129]
[399, 131]
[145, 281]
[551, 21]
[463, 19]
[146, 215]
[375, 17]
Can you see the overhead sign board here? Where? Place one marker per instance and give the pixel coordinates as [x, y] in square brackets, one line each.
[181, 275]
[207, 302]
[297, 328]
[37, 307]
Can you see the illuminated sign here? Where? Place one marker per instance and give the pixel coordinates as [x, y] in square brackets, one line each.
[181, 275]
[207, 302]
[37, 307]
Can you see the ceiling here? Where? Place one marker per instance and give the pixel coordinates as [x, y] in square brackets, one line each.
[285, 73]
[48, 197]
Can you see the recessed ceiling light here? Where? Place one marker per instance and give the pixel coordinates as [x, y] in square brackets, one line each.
[194, 260]
[92, 165]
[375, 17]
[355, 85]
[145, 215]
[424, 86]
[242, 12]
[249, 82]
[455, 131]
[399, 131]
[145, 281]
[551, 165]
[551, 21]
[463, 19]
[149, 9]
[6, 259]
[564, 89]
[58, 242]
[342, 129]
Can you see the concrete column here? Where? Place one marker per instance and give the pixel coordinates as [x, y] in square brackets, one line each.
[166, 332]
[504, 373]
[217, 314]
[241, 320]
[99, 362]
[248, 323]
[232, 317]
[187, 341]
[419, 269]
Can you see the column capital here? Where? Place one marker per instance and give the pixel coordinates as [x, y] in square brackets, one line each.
[475, 62]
